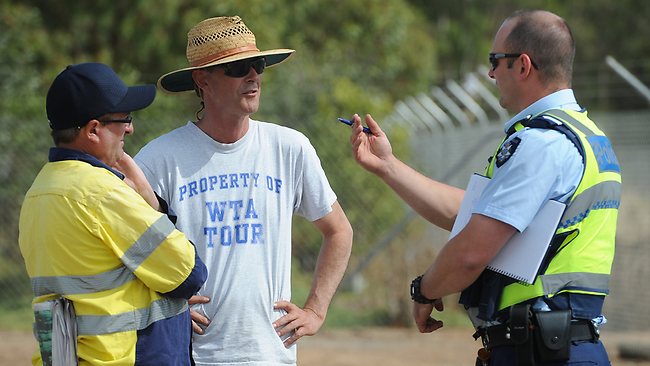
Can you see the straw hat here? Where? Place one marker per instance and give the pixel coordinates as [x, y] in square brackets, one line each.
[217, 41]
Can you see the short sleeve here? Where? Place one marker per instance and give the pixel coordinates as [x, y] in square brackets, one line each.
[544, 165]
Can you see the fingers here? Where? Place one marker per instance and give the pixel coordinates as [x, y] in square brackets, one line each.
[199, 321]
[357, 130]
[423, 319]
[196, 328]
[296, 323]
[290, 316]
[297, 334]
[372, 125]
[199, 318]
[198, 299]
[430, 325]
[439, 305]
[125, 164]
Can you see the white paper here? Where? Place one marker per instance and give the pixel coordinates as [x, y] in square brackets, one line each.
[522, 255]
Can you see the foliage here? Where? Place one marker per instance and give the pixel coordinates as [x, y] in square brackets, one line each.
[20, 101]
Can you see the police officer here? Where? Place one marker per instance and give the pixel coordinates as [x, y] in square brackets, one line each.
[551, 151]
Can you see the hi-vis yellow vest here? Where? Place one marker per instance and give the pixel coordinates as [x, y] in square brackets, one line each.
[87, 236]
[582, 251]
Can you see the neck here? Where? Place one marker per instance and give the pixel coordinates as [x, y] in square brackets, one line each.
[226, 130]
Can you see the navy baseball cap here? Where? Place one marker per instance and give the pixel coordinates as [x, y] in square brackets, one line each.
[90, 90]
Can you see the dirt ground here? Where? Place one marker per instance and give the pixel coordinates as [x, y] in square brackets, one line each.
[368, 346]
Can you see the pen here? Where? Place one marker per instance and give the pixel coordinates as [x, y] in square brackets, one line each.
[349, 123]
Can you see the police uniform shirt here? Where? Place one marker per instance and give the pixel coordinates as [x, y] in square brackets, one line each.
[533, 166]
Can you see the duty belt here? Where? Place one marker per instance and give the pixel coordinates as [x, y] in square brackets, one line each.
[501, 335]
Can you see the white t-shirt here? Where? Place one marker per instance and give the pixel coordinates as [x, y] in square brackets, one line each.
[235, 202]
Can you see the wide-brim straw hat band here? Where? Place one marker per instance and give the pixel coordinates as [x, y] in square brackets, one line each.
[217, 41]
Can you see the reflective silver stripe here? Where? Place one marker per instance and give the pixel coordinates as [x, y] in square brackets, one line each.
[147, 243]
[593, 282]
[132, 320]
[70, 285]
[605, 194]
[565, 117]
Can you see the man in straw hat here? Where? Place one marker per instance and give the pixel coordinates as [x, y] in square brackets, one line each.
[235, 184]
[100, 255]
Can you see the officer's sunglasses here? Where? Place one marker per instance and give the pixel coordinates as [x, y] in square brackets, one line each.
[495, 57]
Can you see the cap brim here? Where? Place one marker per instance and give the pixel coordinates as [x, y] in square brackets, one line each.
[136, 98]
[181, 80]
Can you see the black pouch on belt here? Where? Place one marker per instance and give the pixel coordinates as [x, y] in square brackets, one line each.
[519, 325]
[552, 335]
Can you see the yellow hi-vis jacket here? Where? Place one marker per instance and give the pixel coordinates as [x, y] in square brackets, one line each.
[85, 235]
[582, 250]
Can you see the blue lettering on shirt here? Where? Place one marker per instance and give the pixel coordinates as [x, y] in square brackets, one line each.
[217, 210]
[238, 234]
[226, 181]
[233, 222]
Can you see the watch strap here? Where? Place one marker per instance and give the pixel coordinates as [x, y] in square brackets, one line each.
[416, 294]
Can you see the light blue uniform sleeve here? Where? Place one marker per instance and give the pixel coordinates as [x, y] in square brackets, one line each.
[545, 165]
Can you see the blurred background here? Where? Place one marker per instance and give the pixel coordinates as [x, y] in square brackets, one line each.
[420, 68]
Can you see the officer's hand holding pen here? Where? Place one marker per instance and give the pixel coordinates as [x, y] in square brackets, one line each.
[351, 123]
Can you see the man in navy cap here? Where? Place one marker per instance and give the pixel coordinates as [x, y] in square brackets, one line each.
[98, 255]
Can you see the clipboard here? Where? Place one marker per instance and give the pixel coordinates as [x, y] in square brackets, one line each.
[522, 255]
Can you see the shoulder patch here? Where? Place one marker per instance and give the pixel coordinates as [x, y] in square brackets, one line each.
[506, 151]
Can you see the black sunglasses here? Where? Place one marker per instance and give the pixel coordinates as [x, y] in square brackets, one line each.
[127, 119]
[238, 69]
[495, 57]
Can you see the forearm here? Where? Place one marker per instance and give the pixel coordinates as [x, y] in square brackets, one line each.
[134, 177]
[449, 273]
[148, 194]
[437, 202]
[330, 268]
[465, 256]
[193, 282]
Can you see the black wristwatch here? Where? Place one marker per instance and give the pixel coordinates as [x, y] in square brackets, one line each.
[416, 295]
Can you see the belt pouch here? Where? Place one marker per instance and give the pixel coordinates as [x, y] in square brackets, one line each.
[519, 325]
[552, 335]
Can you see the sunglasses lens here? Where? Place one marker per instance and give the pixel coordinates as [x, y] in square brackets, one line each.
[237, 69]
[241, 68]
[259, 65]
[494, 62]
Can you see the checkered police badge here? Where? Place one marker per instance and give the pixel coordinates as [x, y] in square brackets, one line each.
[506, 151]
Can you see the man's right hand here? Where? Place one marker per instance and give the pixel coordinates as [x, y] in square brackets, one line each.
[372, 151]
[199, 317]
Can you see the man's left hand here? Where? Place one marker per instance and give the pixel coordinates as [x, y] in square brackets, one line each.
[422, 316]
[298, 322]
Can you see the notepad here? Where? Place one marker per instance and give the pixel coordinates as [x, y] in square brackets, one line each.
[522, 255]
